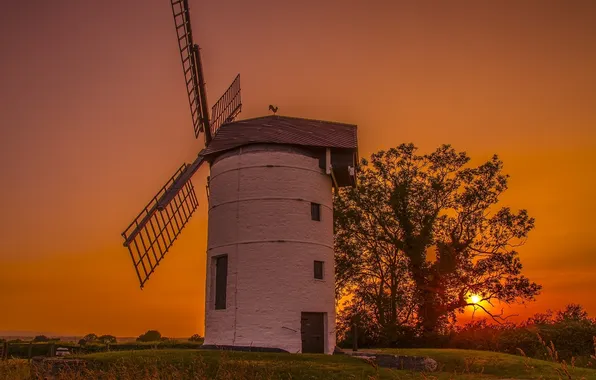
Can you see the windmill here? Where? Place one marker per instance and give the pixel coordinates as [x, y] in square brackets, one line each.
[270, 261]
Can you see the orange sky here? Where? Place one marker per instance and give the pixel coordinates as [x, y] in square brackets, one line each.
[94, 119]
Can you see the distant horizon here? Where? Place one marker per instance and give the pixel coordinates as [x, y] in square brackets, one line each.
[33, 334]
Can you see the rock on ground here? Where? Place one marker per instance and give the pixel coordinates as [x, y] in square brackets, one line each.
[412, 363]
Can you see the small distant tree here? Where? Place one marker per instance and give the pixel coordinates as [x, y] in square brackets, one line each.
[107, 339]
[539, 319]
[573, 312]
[150, 336]
[41, 338]
[82, 342]
[195, 338]
[90, 337]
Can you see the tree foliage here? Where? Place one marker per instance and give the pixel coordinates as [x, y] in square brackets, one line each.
[150, 336]
[41, 338]
[570, 330]
[420, 234]
[90, 338]
[195, 338]
[107, 339]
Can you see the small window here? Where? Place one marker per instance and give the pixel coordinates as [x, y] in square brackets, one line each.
[315, 211]
[319, 270]
[221, 281]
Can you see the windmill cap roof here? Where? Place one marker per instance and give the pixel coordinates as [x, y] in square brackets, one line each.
[285, 130]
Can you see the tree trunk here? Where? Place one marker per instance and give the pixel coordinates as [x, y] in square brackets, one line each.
[429, 309]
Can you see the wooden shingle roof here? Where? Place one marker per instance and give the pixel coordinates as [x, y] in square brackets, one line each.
[285, 130]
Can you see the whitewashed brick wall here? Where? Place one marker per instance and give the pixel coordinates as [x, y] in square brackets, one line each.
[259, 215]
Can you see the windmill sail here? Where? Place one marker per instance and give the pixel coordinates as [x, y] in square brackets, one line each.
[227, 107]
[152, 233]
[192, 67]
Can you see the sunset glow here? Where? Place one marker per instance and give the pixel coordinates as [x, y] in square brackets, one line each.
[94, 119]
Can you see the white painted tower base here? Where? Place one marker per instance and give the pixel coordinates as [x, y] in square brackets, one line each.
[260, 217]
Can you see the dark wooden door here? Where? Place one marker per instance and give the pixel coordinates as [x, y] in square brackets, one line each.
[313, 332]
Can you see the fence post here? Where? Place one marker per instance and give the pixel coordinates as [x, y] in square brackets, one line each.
[4, 351]
[354, 337]
[53, 349]
[30, 350]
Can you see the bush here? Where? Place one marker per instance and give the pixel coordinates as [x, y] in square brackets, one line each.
[107, 339]
[90, 338]
[150, 336]
[570, 330]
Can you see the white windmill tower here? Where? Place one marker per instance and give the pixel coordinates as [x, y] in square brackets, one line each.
[270, 261]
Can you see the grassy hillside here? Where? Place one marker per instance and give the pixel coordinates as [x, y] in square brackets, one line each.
[205, 364]
[495, 363]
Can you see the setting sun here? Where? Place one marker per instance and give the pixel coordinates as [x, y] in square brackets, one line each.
[475, 298]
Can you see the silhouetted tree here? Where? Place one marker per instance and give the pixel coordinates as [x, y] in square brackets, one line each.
[150, 336]
[41, 338]
[422, 233]
[195, 338]
[90, 338]
[107, 339]
[573, 312]
[82, 342]
[570, 330]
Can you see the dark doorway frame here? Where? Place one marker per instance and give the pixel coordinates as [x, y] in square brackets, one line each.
[313, 327]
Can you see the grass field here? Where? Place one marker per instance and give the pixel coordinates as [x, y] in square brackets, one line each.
[495, 364]
[205, 364]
